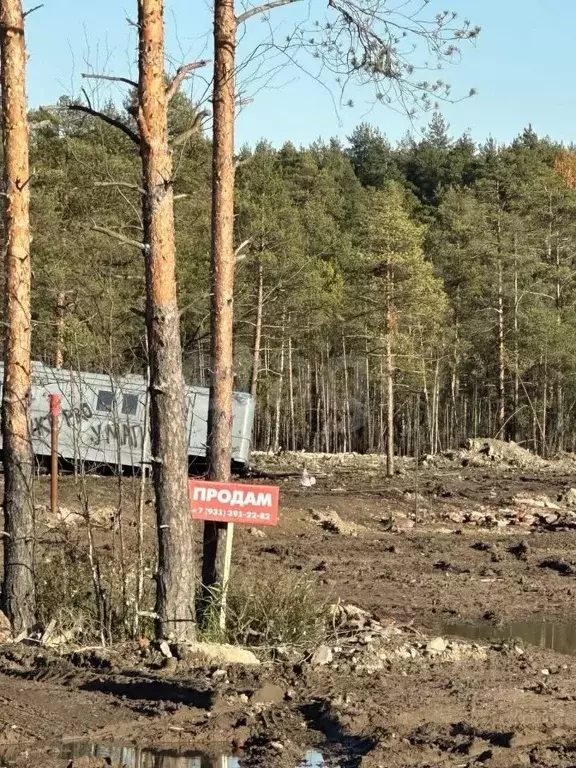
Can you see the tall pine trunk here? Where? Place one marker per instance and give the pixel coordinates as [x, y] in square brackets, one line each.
[175, 579]
[516, 405]
[18, 593]
[222, 278]
[257, 333]
[59, 340]
[559, 392]
[501, 352]
[292, 440]
[278, 407]
[389, 375]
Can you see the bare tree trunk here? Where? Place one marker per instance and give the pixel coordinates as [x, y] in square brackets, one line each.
[18, 593]
[501, 356]
[292, 440]
[257, 333]
[278, 408]
[543, 429]
[389, 376]
[59, 345]
[516, 346]
[325, 403]
[559, 395]
[347, 416]
[474, 414]
[370, 420]
[175, 578]
[436, 408]
[222, 279]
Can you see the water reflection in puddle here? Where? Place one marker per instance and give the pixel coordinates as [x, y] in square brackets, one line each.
[560, 637]
[164, 757]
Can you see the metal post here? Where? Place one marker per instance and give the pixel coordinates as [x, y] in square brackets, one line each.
[54, 418]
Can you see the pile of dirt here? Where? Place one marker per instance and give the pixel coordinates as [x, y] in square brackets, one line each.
[70, 517]
[323, 463]
[527, 511]
[477, 452]
[364, 644]
[489, 450]
[331, 521]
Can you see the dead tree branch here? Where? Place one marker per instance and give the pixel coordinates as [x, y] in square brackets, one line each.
[113, 121]
[183, 137]
[262, 9]
[239, 254]
[31, 10]
[110, 78]
[119, 237]
[126, 184]
[181, 74]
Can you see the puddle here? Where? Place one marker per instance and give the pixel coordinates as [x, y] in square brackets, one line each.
[165, 757]
[555, 636]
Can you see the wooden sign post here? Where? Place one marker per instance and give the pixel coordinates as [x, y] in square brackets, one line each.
[232, 503]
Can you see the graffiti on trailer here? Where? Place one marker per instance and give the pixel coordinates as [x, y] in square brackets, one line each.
[127, 435]
[100, 434]
[41, 424]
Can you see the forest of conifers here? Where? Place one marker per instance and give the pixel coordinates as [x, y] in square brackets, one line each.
[436, 268]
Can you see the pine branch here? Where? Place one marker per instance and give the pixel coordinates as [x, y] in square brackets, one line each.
[182, 138]
[126, 184]
[239, 254]
[114, 122]
[110, 78]
[31, 10]
[120, 237]
[181, 74]
[262, 9]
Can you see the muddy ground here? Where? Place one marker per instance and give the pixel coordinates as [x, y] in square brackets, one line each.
[489, 542]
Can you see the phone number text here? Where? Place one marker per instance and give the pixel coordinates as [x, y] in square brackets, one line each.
[232, 514]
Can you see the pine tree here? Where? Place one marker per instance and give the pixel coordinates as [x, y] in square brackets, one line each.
[18, 589]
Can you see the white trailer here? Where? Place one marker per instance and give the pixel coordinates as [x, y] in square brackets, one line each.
[104, 419]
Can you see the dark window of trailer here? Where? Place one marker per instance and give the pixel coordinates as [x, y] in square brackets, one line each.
[130, 405]
[105, 402]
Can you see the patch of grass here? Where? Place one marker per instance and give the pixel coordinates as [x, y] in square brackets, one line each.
[269, 613]
[66, 593]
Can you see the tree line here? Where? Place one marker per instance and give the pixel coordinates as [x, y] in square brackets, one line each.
[423, 289]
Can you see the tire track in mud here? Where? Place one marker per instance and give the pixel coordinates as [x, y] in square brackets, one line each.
[53, 702]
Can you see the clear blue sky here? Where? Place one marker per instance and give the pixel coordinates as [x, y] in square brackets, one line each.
[522, 66]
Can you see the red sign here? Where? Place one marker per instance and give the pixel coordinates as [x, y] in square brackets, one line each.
[233, 502]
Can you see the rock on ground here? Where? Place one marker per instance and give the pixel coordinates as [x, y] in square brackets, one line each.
[219, 653]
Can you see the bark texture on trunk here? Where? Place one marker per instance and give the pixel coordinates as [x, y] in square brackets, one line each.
[175, 579]
[18, 593]
[222, 278]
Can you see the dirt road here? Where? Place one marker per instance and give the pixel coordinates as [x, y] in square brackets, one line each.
[490, 544]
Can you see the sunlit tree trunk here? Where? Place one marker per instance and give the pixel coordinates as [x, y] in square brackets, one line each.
[222, 278]
[175, 578]
[18, 593]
